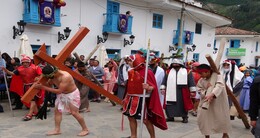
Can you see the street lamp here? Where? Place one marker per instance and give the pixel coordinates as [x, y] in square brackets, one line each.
[102, 39]
[20, 29]
[215, 50]
[174, 47]
[127, 42]
[193, 47]
[65, 35]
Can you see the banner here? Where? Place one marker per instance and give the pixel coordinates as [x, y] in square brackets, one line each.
[47, 12]
[123, 23]
[236, 52]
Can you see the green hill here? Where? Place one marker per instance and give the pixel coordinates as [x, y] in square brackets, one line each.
[245, 13]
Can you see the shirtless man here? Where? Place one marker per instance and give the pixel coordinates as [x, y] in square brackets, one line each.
[68, 97]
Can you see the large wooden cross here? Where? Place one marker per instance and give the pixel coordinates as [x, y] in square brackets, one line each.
[41, 55]
[230, 93]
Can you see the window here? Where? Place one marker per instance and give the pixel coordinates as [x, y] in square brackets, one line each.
[196, 56]
[113, 54]
[198, 28]
[156, 53]
[256, 47]
[36, 47]
[234, 43]
[214, 44]
[157, 21]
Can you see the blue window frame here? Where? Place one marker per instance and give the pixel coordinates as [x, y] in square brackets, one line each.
[214, 44]
[196, 56]
[178, 24]
[36, 47]
[234, 43]
[114, 53]
[112, 7]
[256, 47]
[157, 21]
[236, 60]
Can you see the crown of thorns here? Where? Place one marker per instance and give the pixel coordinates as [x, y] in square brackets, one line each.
[55, 69]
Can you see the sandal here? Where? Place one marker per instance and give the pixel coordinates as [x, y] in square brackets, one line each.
[34, 114]
[27, 118]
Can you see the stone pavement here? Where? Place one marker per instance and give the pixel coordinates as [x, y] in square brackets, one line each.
[104, 121]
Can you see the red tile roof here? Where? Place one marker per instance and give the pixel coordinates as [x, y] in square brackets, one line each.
[233, 31]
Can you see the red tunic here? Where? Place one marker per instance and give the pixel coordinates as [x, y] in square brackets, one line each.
[26, 77]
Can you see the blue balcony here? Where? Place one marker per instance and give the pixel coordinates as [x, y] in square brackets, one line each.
[187, 37]
[112, 24]
[31, 14]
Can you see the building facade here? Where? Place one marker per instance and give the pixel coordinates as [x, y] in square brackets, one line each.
[157, 20]
[241, 45]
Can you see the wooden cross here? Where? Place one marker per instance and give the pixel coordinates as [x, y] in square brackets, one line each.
[230, 94]
[41, 55]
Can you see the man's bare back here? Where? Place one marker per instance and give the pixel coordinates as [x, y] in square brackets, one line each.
[63, 80]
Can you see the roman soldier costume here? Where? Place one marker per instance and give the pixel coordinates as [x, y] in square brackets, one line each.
[132, 104]
[28, 74]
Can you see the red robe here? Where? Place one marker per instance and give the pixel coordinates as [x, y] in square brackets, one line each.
[154, 109]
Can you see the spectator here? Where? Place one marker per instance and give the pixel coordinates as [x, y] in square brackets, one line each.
[98, 72]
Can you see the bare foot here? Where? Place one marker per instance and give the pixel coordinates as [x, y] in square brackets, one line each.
[88, 110]
[54, 132]
[83, 133]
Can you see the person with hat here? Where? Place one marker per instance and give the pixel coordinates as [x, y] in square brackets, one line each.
[254, 108]
[216, 118]
[179, 86]
[132, 103]
[122, 76]
[83, 89]
[29, 72]
[68, 97]
[159, 76]
[232, 76]
[196, 77]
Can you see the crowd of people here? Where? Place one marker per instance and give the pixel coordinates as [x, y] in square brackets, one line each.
[177, 90]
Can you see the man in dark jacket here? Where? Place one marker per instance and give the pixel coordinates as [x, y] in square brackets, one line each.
[254, 106]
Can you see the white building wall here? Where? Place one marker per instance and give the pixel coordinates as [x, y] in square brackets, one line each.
[89, 13]
[248, 43]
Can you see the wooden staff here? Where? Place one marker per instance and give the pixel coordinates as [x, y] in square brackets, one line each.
[144, 90]
[230, 94]
[91, 53]
[77, 56]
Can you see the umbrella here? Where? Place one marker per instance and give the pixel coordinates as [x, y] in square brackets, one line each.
[103, 57]
[25, 47]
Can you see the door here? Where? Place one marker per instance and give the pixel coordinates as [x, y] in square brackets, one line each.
[36, 47]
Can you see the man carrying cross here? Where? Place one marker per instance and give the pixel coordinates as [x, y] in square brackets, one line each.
[68, 97]
[216, 118]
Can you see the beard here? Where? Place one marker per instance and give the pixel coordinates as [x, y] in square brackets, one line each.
[226, 70]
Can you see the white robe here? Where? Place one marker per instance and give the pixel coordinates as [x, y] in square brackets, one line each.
[159, 76]
[216, 119]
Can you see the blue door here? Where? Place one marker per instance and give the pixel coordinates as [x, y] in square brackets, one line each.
[112, 7]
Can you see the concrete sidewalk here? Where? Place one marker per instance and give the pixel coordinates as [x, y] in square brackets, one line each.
[104, 121]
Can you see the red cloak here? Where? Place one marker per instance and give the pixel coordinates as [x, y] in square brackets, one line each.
[154, 108]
